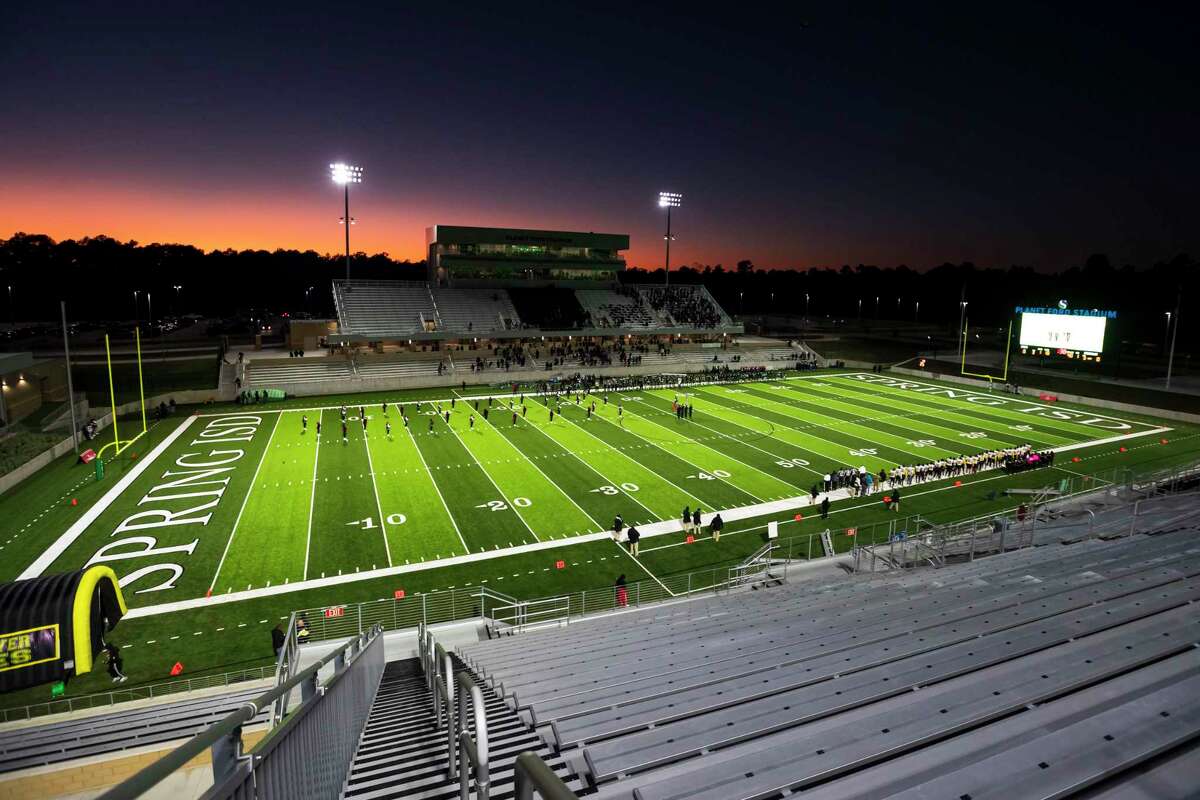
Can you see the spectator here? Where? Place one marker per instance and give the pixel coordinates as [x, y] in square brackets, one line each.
[115, 662]
[622, 593]
[277, 639]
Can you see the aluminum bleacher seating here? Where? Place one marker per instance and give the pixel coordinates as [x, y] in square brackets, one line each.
[612, 309]
[297, 370]
[38, 745]
[1051, 666]
[387, 309]
[475, 310]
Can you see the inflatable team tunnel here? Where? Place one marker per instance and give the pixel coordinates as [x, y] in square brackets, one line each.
[52, 628]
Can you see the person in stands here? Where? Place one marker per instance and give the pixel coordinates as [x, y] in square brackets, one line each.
[622, 592]
[277, 639]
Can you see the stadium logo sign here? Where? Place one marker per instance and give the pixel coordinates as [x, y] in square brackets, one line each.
[188, 492]
[1022, 406]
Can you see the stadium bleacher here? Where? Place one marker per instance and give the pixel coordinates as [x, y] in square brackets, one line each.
[685, 304]
[474, 310]
[40, 745]
[383, 308]
[1044, 666]
[262, 375]
[618, 309]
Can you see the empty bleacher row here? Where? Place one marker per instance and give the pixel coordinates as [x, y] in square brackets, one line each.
[299, 370]
[1042, 668]
[383, 308]
[39, 745]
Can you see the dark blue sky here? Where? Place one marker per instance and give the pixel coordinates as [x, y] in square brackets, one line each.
[807, 135]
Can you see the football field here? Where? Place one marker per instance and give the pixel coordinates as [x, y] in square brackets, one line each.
[243, 501]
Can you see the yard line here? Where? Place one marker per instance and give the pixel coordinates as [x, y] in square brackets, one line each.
[747, 444]
[533, 464]
[805, 427]
[637, 561]
[623, 454]
[437, 488]
[493, 482]
[686, 460]
[589, 466]
[726, 455]
[963, 414]
[375, 488]
[246, 499]
[312, 496]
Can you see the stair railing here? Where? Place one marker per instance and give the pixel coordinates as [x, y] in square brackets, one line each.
[532, 775]
[472, 752]
[443, 697]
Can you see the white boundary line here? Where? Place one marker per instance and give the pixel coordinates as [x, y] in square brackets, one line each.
[507, 395]
[312, 500]
[511, 505]
[51, 554]
[387, 548]
[245, 500]
[436, 488]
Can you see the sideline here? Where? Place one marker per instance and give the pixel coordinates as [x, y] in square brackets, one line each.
[76, 530]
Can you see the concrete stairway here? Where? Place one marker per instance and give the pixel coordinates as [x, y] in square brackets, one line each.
[403, 753]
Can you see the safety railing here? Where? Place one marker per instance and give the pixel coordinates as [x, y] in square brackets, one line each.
[522, 615]
[757, 567]
[472, 750]
[308, 755]
[533, 776]
[152, 691]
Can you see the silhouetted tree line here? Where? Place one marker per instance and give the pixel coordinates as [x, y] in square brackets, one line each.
[98, 275]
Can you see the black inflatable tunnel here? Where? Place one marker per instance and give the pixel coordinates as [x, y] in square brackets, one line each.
[52, 627]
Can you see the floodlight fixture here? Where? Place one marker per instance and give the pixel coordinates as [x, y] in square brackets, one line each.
[668, 200]
[345, 173]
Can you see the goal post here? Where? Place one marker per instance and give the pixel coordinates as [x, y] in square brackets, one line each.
[119, 445]
[1003, 378]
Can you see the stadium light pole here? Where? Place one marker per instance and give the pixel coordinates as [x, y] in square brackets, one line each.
[860, 309]
[962, 321]
[1174, 335]
[876, 306]
[12, 319]
[135, 305]
[668, 200]
[1167, 333]
[149, 310]
[916, 311]
[346, 174]
[62, 304]
[177, 287]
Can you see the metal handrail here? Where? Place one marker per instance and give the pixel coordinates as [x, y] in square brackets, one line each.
[531, 612]
[442, 672]
[532, 774]
[285, 668]
[472, 752]
[223, 737]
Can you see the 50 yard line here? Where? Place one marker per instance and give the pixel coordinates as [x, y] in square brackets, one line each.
[245, 500]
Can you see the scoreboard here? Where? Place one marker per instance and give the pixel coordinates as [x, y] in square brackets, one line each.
[1066, 332]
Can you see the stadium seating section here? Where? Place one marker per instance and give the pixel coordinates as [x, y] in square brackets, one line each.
[383, 308]
[1036, 668]
[41, 745]
[395, 309]
[549, 309]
